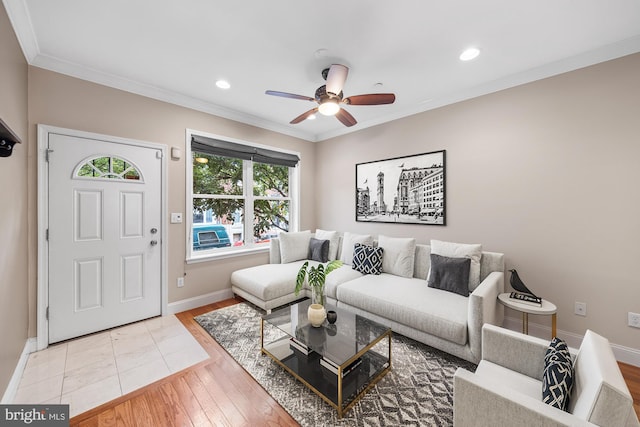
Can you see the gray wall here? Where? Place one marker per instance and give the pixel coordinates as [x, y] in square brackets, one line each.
[13, 205]
[546, 173]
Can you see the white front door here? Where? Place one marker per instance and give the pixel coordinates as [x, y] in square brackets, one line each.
[105, 212]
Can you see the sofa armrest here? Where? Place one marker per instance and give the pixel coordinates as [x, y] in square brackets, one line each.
[481, 401]
[484, 308]
[274, 251]
[513, 350]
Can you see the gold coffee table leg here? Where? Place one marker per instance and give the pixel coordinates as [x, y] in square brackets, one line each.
[553, 325]
[525, 323]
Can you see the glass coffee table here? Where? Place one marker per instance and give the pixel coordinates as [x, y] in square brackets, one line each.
[340, 362]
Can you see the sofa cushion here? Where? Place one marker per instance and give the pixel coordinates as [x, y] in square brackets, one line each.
[461, 250]
[367, 259]
[411, 303]
[399, 255]
[333, 237]
[450, 274]
[294, 246]
[268, 281]
[557, 378]
[348, 244]
[318, 250]
[338, 277]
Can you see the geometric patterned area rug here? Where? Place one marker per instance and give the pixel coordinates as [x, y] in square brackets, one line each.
[418, 391]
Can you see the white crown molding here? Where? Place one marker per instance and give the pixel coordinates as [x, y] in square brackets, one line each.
[592, 57]
[21, 21]
[18, 13]
[161, 94]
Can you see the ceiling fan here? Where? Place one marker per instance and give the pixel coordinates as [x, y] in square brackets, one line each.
[329, 97]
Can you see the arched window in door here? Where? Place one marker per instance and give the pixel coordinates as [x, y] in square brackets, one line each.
[107, 167]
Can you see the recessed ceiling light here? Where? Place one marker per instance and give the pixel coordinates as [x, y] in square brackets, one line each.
[311, 117]
[469, 54]
[223, 84]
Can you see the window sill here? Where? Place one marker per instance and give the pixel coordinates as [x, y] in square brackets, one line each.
[227, 254]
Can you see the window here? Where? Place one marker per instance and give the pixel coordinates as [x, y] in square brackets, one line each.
[107, 168]
[241, 195]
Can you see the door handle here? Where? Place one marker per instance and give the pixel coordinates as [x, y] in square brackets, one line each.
[154, 242]
[154, 230]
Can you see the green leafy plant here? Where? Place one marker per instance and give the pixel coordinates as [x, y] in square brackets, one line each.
[316, 276]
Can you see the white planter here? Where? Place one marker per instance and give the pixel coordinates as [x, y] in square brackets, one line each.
[316, 314]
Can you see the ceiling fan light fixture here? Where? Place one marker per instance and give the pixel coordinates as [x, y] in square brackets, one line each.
[311, 117]
[329, 107]
[335, 78]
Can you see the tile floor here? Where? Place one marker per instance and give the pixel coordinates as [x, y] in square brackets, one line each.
[89, 371]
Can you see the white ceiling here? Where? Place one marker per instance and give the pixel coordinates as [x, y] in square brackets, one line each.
[176, 50]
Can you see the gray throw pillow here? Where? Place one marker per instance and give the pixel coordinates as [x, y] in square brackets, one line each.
[318, 250]
[450, 274]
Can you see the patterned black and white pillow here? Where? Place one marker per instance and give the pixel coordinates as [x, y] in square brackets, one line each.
[367, 259]
[557, 380]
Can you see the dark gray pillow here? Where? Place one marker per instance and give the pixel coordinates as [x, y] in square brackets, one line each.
[450, 274]
[318, 250]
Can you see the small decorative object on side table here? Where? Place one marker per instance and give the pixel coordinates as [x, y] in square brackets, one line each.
[527, 302]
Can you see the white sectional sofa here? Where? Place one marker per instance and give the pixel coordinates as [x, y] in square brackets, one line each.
[439, 318]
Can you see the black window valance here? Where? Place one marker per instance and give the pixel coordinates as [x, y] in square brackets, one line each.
[218, 147]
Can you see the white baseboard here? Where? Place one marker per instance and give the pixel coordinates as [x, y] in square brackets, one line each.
[199, 301]
[10, 393]
[623, 354]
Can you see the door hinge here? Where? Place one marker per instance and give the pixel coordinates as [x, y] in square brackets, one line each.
[159, 155]
[47, 154]
[46, 235]
[47, 314]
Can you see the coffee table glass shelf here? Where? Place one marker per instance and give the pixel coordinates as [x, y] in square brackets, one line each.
[340, 362]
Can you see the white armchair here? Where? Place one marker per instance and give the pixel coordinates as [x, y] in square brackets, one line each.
[506, 389]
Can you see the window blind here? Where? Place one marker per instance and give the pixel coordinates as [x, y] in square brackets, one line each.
[218, 147]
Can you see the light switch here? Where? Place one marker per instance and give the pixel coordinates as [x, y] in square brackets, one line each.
[176, 217]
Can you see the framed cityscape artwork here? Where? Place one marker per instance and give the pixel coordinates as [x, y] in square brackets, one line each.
[404, 190]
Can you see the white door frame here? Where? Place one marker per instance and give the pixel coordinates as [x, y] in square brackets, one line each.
[43, 220]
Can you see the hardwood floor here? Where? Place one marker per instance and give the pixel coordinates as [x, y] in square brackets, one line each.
[217, 392]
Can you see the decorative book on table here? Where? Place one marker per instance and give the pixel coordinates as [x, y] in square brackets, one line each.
[295, 344]
[526, 299]
[332, 367]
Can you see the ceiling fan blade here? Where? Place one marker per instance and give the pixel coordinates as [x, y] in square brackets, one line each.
[336, 77]
[303, 116]
[289, 95]
[371, 99]
[345, 118]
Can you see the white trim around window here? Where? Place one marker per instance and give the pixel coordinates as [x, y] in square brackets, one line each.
[249, 247]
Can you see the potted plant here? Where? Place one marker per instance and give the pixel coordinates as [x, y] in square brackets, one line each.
[316, 277]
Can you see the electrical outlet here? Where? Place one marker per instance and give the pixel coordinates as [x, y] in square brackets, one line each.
[180, 282]
[634, 320]
[580, 308]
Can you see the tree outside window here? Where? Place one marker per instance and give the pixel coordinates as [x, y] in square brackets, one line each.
[247, 198]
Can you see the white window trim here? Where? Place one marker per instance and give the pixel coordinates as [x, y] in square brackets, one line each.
[221, 253]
